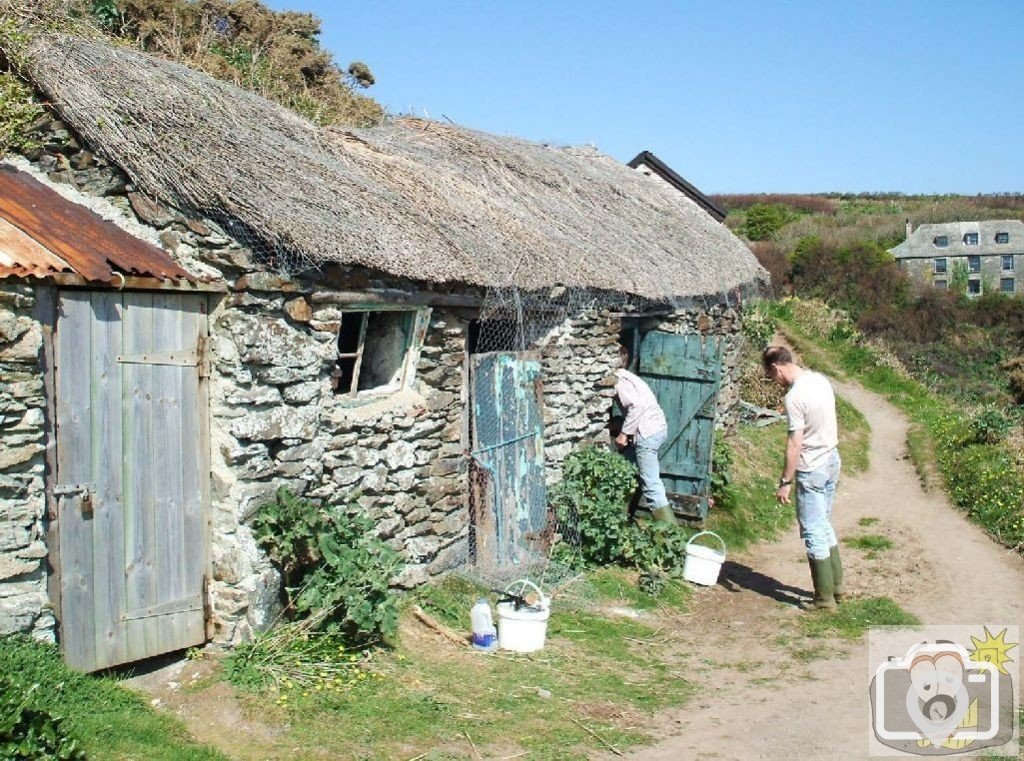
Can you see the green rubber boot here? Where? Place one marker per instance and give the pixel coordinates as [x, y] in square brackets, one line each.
[824, 589]
[838, 591]
[664, 513]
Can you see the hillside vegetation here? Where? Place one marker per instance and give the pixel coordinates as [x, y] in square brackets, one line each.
[834, 248]
[276, 54]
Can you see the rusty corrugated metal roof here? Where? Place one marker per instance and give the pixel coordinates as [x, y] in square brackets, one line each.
[57, 235]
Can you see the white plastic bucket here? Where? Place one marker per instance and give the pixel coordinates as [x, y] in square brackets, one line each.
[702, 563]
[523, 630]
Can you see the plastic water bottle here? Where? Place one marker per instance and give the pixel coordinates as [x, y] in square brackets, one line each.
[485, 636]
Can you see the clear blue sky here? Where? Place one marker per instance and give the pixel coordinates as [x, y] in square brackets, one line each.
[920, 96]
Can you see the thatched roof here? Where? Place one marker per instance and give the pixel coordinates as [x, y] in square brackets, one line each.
[413, 198]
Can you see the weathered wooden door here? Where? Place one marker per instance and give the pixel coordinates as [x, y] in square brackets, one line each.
[509, 497]
[684, 372]
[131, 474]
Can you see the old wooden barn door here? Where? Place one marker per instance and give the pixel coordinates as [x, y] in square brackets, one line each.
[684, 372]
[132, 469]
[509, 497]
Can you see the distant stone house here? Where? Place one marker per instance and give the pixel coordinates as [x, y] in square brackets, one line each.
[991, 252]
[204, 298]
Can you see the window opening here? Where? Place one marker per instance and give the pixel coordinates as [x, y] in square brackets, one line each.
[974, 287]
[1002, 237]
[941, 241]
[971, 239]
[1007, 261]
[1006, 284]
[941, 285]
[373, 350]
[974, 264]
[940, 266]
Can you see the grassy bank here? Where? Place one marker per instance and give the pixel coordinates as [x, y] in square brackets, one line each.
[53, 706]
[964, 451]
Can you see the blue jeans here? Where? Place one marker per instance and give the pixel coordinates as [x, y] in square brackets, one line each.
[815, 491]
[645, 454]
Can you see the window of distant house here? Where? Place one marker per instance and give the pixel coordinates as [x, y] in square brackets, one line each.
[1007, 262]
[941, 285]
[970, 239]
[941, 241]
[974, 264]
[1006, 284]
[974, 287]
[377, 350]
[940, 266]
[1002, 237]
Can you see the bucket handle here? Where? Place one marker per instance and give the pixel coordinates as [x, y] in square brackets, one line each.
[527, 583]
[709, 533]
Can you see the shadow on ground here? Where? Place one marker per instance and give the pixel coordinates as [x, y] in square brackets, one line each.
[736, 576]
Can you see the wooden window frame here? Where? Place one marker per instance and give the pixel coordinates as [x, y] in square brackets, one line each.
[939, 270]
[419, 318]
[1003, 282]
[972, 260]
[1007, 258]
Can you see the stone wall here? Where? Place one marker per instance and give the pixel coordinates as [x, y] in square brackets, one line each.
[276, 421]
[23, 595]
[578, 359]
[990, 277]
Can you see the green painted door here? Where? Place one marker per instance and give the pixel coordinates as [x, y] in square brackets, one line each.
[684, 372]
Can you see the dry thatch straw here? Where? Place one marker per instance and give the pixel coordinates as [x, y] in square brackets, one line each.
[412, 198]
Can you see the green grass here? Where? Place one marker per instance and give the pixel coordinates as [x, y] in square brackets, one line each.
[869, 542]
[867, 521]
[851, 619]
[854, 437]
[107, 721]
[601, 671]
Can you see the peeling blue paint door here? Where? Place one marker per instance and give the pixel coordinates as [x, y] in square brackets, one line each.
[509, 497]
[684, 372]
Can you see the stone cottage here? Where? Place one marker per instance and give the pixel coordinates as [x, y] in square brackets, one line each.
[990, 252]
[204, 297]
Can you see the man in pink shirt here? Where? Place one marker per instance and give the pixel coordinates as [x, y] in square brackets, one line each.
[645, 427]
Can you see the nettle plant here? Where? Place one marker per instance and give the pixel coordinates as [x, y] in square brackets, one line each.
[335, 568]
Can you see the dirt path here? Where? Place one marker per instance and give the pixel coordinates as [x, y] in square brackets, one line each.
[755, 699]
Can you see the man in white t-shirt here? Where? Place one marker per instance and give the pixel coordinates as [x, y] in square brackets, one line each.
[813, 464]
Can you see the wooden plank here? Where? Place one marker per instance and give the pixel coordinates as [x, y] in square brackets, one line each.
[168, 548]
[46, 313]
[140, 440]
[74, 465]
[108, 524]
[194, 469]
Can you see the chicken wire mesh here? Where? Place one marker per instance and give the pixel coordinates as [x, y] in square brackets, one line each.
[518, 343]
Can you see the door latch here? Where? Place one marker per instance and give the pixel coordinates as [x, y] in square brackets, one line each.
[85, 490]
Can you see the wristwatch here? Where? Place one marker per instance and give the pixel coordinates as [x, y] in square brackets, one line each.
[785, 482]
